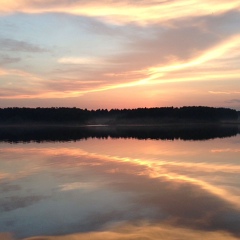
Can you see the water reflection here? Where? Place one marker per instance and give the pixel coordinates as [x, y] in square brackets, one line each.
[70, 133]
[120, 189]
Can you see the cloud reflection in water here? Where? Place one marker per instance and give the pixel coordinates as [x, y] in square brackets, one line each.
[66, 188]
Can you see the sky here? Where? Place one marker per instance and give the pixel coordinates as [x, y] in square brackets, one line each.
[119, 54]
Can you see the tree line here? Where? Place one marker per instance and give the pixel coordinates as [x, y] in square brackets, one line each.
[62, 115]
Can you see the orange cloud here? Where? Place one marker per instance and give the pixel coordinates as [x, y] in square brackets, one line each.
[155, 75]
[147, 61]
[225, 150]
[74, 60]
[125, 11]
[143, 231]
[224, 92]
[208, 55]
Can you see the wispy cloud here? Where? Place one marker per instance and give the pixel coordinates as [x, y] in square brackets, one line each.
[124, 11]
[234, 101]
[19, 46]
[78, 60]
[225, 150]
[224, 92]
[5, 59]
[149, 231]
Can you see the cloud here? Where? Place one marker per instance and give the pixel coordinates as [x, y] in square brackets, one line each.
[76, 60]
[224, 92]
[7, 187]
[182, 41]
[137, 45]
[225, 150]
[5, 60]
[142, 230]
[233, 101]
[19, 46]
[6, 236]
[71, 85]
[19, 84]
[152, 59]
[15, 202]
[124, 11]
[160, 53]
[10, 92]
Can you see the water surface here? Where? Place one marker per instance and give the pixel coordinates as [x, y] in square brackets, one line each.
[120, 188]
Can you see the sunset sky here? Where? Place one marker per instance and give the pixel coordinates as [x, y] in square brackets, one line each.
[119, 54]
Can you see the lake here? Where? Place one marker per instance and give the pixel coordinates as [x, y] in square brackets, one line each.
[139, 183]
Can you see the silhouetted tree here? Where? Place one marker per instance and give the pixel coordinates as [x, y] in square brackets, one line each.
[114, 116]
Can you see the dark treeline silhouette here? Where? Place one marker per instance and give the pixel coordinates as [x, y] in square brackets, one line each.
[73, 133]
[62, 115]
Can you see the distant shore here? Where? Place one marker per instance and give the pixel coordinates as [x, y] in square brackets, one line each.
[140, 116]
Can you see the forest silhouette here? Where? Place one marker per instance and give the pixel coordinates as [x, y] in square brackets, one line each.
[73, 124]
[155, 116]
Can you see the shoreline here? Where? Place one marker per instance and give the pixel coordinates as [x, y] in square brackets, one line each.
[93, 125]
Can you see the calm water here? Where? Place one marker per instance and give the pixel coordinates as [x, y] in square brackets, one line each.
[120, 188]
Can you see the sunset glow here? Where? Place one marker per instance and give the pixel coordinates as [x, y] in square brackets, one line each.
[73, 53]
